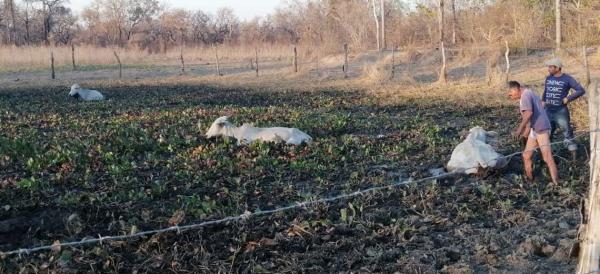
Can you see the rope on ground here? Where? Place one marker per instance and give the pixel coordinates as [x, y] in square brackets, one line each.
[246, 215]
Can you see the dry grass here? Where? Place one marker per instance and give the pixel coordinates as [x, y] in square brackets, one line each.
[367, 68]
[378, 72]
[21, 58]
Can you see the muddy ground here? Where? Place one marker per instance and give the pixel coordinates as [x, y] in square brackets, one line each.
[139, 161]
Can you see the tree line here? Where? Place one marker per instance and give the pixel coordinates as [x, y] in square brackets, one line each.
[322, 24]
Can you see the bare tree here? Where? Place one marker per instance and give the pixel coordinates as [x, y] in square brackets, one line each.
[558, 25]
[383, 41]
[48, 10]
[454, 22]
[442, 78]
[376, 17]
[9, 15]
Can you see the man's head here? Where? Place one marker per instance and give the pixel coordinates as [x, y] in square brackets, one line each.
[514, 90]
[554, 66]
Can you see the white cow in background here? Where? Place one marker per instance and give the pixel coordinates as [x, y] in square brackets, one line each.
[475, 152]
[85, 94]
[247, 133]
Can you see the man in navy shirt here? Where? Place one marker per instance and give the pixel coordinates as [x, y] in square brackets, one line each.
[556, 99]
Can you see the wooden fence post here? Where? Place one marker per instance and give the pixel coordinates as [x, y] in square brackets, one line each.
[393, 62]
[217, 61]
[52, 65]
[318, 55]
[120, 65]
[589, 253]
[182, 61]
[256, 60]
[345, 68]
[586, 66]
[295, 60]
[506, 53]
[73, 56]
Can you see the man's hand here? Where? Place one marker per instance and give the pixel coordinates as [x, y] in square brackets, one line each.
[544, 104]
[516, 135]
[565, 101]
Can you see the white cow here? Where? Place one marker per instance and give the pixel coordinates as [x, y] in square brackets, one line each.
[85, 94]
[475, 152]
[247, 133]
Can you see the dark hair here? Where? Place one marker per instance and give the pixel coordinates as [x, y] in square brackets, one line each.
[514, 84]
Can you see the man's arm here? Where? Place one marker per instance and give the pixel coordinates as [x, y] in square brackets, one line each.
[526, 115]
[544, 93]
[579, 91]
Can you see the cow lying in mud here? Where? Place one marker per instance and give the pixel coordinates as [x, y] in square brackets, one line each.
[85, 94]
[248, 134]
[475, 152]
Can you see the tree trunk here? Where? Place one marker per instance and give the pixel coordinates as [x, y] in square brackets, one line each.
[442, 78]
[558, 26]
[454, 22]
[383, 41]
[9, 14]
[217, 62]
[376, 25]
[589, 254]
[27, 35]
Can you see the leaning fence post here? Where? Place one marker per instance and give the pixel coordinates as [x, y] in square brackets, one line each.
[589, 253]
[120, 65]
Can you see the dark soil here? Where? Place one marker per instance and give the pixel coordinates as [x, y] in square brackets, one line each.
[70, 170]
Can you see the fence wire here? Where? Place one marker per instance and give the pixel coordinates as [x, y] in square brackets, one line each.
[246, 215]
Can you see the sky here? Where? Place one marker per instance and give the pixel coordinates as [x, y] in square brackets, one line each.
[245, 9]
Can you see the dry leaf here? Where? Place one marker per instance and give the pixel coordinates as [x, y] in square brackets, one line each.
[177, 218]
[56, 246]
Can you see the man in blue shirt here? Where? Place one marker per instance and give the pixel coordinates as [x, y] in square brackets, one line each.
[534, 124]
[556, 99]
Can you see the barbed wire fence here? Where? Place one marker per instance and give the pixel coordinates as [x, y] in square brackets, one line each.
[246, 215]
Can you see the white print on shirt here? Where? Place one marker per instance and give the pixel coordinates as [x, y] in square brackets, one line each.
[555, 83]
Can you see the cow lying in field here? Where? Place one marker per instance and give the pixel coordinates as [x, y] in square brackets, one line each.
[475, 152]
[247, 133]
[85, 94]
